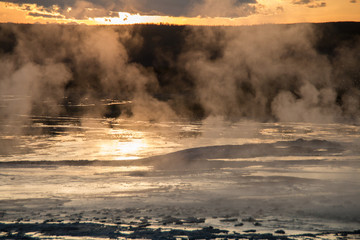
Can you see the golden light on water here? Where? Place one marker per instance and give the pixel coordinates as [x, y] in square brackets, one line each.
[123, 145]
[118, 150]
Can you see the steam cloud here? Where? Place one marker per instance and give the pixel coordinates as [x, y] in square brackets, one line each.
[273, 72]
[263, 73]
[54, 67]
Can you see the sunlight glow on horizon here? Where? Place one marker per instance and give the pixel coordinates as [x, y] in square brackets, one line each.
[126, 18]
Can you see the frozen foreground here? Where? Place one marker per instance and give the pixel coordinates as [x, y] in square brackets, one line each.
[113, 179]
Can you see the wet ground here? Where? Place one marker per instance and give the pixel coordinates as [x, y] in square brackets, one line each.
[91, 178]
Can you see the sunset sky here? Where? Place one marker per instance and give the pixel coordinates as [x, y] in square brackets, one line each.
[193, 12]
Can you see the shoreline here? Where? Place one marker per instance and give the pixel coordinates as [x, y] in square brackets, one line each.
[145, 230]
[57, 219]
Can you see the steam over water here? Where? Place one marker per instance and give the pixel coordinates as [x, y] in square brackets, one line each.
[248, 128]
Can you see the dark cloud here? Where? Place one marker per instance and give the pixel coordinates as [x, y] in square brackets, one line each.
[160, 7]
[224, 8]
[302, 1]
[146, 7]
[189, 8]
[44, 15]
[317, 5]
[46, 4]
[280, 9]
[353, 1]
[310, 3]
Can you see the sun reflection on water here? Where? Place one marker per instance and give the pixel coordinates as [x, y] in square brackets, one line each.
[58, 139]
[123, 150]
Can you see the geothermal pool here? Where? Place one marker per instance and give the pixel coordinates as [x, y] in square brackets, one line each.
[66, 178]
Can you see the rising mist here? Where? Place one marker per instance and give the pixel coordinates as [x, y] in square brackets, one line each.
[301, 72]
